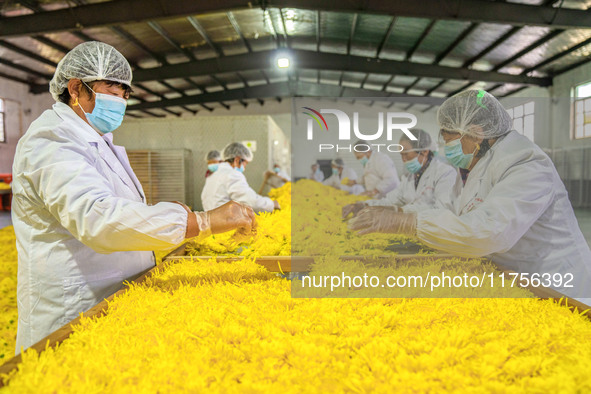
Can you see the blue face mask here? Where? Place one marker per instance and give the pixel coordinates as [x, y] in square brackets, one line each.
[335, 171]
[108, 112]
[276, 169]
[240, 169]
[413, 166]
[364, 161]
[213, 167]
[456, 156]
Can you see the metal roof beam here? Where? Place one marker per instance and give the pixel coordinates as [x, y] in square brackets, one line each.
[557, 56]
[195, 23]
[238, 31]
[282, 89]
[51, 44]
[352, 33]
[16, 79]
[26, 53]
[515, 91]
[285, 36]
[386, 36]
[420, 40]
[434, 88]
[456, 42]
[164, 34]
[528, 49]
[461, 89]
[138, 44]
[124, 11]
[491, 47]
[329, 61]
[25, 69]
[317, 31]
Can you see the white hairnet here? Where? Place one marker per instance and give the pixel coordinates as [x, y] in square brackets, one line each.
[338, 162]
[213, 155]
[423, 141]
[476, 113]
[90, 61]
[236, 149]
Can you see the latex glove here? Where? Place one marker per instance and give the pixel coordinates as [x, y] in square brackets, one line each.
[276, 204]
[371, 193]
[353, 208]
[351, 182]
[384, 220]
[230, 216]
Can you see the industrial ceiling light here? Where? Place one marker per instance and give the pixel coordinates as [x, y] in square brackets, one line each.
[283, 62]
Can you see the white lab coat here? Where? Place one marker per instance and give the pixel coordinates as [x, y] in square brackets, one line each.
[335, 181]
[80, 221]
[379, 173]
[274, 181]
[434, 189]
[317, 176]
[283, 174]
[515, 209]
[229, 184]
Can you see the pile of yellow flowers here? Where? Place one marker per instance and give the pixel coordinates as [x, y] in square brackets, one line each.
[8, 309]
[272, 236]
[317, 228]
[220, 327]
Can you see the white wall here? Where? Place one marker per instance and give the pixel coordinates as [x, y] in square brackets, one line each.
[21, 109]
[543, 115]
[553, 128]
[562, 107]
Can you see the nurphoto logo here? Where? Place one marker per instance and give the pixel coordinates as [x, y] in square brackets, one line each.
[402, 121]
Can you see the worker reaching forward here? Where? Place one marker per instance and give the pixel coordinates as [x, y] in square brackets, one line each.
[342, 173]
[379, 174]
[229, 183]
[511, 204]
[428, 184]
[80, 217]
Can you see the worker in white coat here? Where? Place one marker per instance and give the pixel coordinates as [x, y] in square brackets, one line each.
[277, 177]
[428, 184]
[512, 206]
[315, 173]
[229, 183]
[341, 173]
[213, 159]
[379, 174]
[80, 217]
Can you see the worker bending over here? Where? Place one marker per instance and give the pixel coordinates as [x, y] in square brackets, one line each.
[229, 183]
[428, 184]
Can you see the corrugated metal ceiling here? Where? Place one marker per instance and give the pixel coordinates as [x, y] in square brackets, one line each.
[232, 32]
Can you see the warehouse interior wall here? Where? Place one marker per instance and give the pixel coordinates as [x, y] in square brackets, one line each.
[21, 108]
[200, 134]
[562, 90]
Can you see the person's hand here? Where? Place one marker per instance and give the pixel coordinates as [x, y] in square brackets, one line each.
[276, 204]
[268, 174]
[351, 182]
[384, 220]
[353, 208]
[230, 216]
[370, 193]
